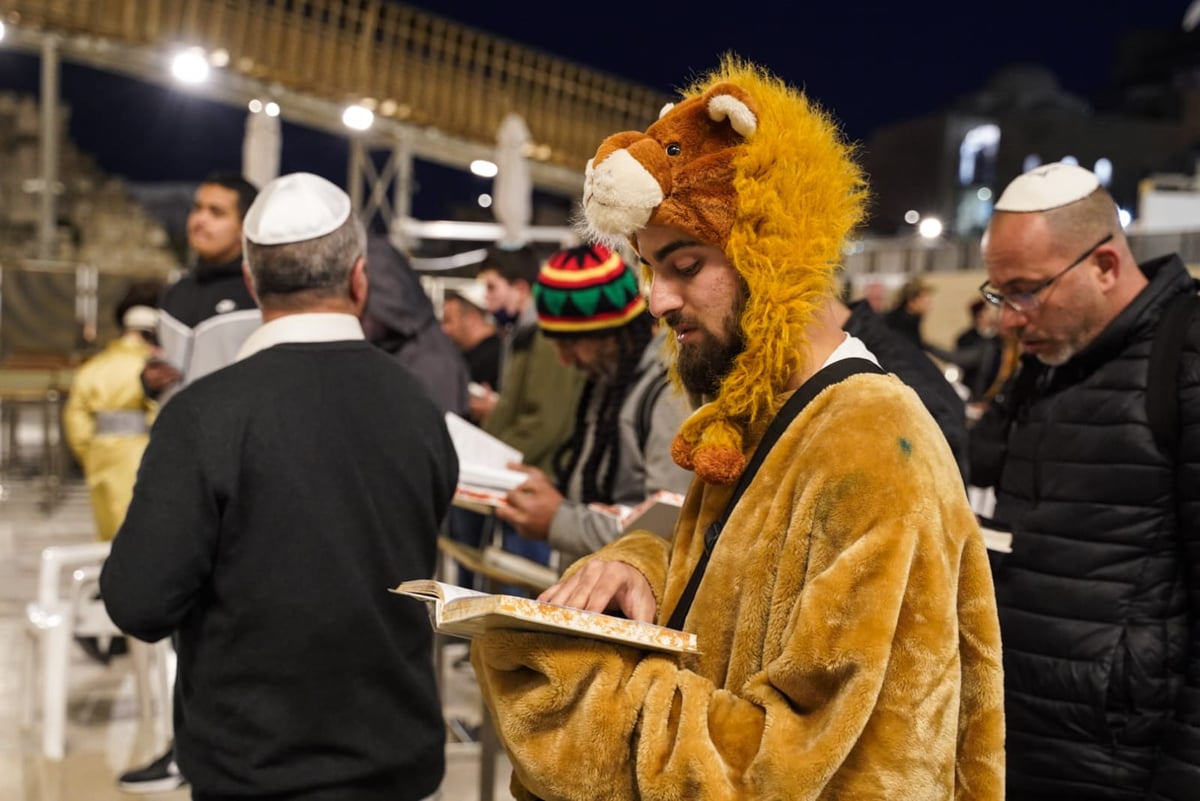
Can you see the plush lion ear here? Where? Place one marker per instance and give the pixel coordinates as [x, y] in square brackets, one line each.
[726, 101]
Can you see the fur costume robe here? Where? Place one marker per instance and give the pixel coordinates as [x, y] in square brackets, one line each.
[848, 628]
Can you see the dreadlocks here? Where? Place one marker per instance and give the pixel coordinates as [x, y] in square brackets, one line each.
[604, 451]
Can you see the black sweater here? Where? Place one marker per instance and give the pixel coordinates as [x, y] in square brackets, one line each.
[277, 502]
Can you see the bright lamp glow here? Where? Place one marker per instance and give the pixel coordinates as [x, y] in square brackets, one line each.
[256, 106]
[911, 216]
[360, 118]
[484, 168]
[1, 30]
[190, 66]
[1125, 216]
[485, 200]
[984, 194]
[930, 228]
[272, 109]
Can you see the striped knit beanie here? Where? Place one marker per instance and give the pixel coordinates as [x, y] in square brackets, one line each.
[586, 291]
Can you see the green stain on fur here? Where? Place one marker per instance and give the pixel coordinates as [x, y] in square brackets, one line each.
[906, 447]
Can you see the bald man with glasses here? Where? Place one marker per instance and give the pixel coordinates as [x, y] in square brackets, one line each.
[1099, 599]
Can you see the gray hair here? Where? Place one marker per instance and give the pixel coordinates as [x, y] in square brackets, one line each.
[318, 266]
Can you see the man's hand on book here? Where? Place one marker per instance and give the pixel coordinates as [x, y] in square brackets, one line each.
[604, 586]
[531, 506]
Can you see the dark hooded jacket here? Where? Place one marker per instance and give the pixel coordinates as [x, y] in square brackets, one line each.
[399, 319]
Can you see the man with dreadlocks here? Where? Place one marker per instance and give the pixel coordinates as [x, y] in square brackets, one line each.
[590, 305]
[840, 593]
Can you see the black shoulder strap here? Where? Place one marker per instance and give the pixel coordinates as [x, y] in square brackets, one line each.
[1162, 376]
[645, 409]
[824, 378]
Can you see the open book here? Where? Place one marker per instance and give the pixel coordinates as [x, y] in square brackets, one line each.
[483, 477]
[466, 613]
[211, 345]
[657, 513]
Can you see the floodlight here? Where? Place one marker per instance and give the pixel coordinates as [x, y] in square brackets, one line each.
[930, 228]
[360, 118]
[190, 66]
[484, 168]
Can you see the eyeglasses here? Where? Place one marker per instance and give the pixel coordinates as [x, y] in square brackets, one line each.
[1027, 302]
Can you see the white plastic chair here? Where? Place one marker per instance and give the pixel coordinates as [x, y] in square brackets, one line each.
[57, 617]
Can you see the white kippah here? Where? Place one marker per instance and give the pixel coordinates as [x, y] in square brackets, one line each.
[474, 293]
[295, 208]
[1048, 187]
[140, 318]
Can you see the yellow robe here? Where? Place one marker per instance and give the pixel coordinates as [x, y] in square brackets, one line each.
[109, 381]
[848, 625]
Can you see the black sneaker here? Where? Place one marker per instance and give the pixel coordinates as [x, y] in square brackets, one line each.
[160, 776]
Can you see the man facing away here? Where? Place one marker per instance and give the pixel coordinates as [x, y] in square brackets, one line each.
[1100, 598]
[848, 630]
[278, 500]
[204, 318]
[590, 305]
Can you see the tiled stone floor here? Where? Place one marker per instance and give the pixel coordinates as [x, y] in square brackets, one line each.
[105, 734]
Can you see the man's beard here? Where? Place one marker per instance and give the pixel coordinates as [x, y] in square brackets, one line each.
[703, 365]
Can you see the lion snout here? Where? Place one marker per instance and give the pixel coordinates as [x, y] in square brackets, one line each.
[620, 194]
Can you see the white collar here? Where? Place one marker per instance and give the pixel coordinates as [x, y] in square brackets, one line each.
[302, 327]
[851, 347]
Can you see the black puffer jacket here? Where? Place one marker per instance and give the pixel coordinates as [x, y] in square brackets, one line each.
[1100, 598]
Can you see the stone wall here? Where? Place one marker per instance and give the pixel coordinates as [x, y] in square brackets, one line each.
[59, 309]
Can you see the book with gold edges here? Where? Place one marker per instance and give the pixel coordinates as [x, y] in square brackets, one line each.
[467, 613]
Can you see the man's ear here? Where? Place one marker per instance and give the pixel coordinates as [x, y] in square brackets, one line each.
[249, 283]
[359, 285]
[1109, 262]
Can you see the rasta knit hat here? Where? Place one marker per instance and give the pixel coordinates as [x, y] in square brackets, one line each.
[586, 291]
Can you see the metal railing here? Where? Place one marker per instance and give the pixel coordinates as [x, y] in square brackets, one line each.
[912, 255]
[413, 67]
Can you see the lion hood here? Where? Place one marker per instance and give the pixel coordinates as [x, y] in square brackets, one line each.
[748, 164]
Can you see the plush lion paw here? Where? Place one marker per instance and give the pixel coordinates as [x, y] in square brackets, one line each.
[718, 464]
[681, 452]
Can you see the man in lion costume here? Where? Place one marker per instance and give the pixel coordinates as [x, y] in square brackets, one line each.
[844, 611]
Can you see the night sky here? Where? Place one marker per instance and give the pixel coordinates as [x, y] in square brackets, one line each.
[870, 68]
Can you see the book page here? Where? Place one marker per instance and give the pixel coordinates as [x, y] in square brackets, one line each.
[470, 614]
[175, 340]
[477, 448]
[480, 476]
[435, 590]
[995, 536]
[999, 541]
[217, 340]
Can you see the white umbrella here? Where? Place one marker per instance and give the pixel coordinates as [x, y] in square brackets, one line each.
[512, 188]
[260, 148]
